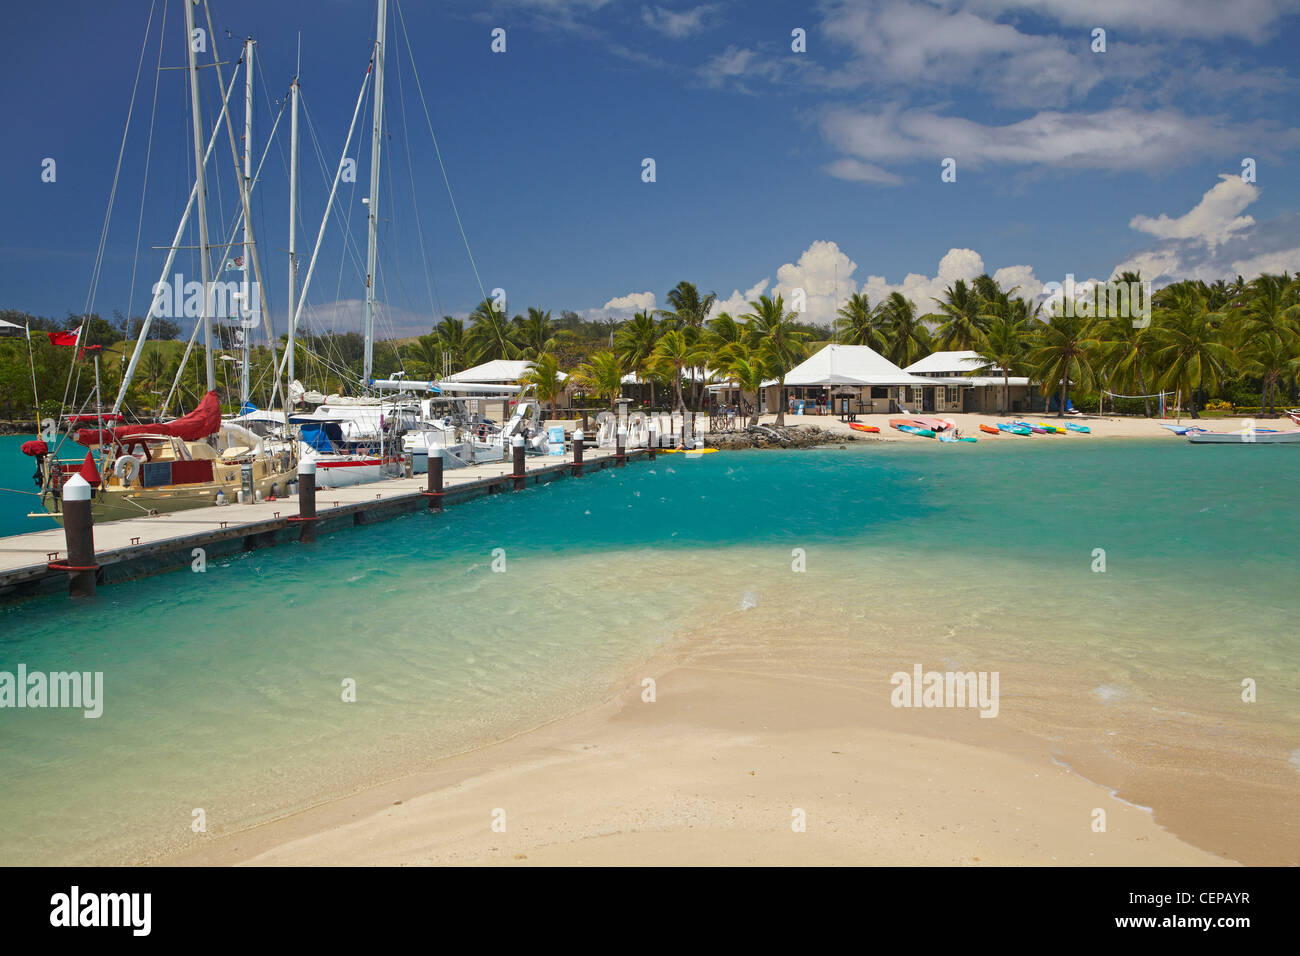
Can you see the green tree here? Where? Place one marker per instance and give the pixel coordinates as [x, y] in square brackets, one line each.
[1003, 344]
[858, 322]
[775, 333]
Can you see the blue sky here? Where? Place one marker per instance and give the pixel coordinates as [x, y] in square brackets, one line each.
[775, 169]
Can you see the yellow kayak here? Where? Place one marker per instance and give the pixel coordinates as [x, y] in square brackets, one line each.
[686, 451]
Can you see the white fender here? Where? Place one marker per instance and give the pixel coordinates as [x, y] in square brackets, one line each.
[127, 468]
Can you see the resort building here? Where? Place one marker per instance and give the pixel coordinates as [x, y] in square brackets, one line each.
[957, 386]
[839, 379]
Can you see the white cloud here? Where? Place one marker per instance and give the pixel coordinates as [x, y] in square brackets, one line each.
[922, 289]
[856, 170]
[632, 302]
[1154, 265]
[676, 24]
[1282, 260]
[1251, 19]
[1211, 221]
[893, 40]
[1117, 138]
[822, 279]
[737, 304]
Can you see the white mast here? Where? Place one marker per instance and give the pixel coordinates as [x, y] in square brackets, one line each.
[293, 217]
[376, 141]
[201, 190]
[244, 332]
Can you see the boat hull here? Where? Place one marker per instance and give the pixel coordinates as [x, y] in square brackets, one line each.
[1244, 438]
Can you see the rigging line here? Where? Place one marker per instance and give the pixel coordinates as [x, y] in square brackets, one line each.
[144, 192]
[420, 87]
[430, 283]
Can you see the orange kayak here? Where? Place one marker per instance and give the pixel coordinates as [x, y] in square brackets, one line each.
[858, 427]
[989, 429]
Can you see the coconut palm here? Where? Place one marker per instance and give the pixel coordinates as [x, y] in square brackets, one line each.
[634, 342]
[1189, 349]
[858, 322]
[603, 374]
[537, 333]
[545, 378]
[491, 335]
[908, 337]
[1126, 348]
[1063, 351]
[774, 331]
[689, 312]
[748, 369]
[961, 316]
[1003, 345]
[674, 352]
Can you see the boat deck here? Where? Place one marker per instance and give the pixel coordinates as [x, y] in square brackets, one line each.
[134, 547]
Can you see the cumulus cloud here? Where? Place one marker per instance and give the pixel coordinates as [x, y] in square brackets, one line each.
[1211, 221]
[1282, 260]
[737, 304]
[632, 302]
[955, 264]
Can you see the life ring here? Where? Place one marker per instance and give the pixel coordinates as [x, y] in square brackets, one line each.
[127, 468]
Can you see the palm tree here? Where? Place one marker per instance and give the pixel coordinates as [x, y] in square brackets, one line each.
[452, 339]
[1062, 351]
[690, 310]
[1126, 349]
[1189, 347]
[775, 333]
[962, 316]
[909, 339]
[748, 369]
[544, 376]
[491, 335]
[858, 322]
[1003, 345]
[674, 352]
[537, 333]
[635, 344]
[603, 374]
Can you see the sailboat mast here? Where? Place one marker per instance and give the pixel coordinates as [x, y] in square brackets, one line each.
[202, 192]
[293, 219]
[245, 333]
[376, 142]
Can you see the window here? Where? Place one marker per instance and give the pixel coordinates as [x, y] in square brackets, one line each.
[954, 394]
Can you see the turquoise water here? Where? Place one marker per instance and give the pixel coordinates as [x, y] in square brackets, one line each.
[223, 688]
[16, 471]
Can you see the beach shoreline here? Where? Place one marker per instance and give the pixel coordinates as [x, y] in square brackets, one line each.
[739, 745]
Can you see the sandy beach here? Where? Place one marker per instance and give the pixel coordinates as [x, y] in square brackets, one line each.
[739, 744]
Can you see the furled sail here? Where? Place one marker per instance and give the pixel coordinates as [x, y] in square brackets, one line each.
[205, 420]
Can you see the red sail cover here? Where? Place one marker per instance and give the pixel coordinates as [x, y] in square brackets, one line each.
[200, 423]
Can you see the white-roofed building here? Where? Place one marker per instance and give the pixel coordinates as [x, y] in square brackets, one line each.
[856, 374]
[956, 389]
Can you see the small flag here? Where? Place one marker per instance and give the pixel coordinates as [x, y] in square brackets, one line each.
[235, 263]
[65, 338]
[88, 348]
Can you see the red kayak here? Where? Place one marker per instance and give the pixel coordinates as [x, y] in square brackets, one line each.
[858, 427]
[989, 429]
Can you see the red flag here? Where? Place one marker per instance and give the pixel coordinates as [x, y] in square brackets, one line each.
[88, 348]
[65, 338]
[89, 470]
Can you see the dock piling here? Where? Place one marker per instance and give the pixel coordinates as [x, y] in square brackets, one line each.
[517, 450]
[620, 449]
[434, 492]
[79, 533]
[578, 439]
[652, 439]
[306, 499]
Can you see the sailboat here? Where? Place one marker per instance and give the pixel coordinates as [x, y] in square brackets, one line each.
[197, 459]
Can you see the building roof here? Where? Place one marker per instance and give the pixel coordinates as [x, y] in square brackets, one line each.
[849, 365]
[498, 370]
[947, 363]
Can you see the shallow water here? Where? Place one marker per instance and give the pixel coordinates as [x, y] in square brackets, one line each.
[223, 689]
